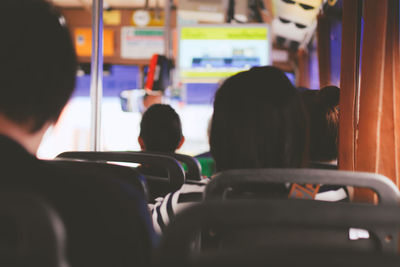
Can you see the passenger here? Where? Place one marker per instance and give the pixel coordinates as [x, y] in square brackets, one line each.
[258, 122]
[160, 131]
[323, 112]
[38, 68]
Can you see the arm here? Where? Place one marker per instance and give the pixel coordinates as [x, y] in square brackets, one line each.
[165, 208]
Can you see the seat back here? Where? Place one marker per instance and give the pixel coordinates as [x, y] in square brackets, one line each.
[280, 225]
[193, 166]
[32, 233]
[290, 258]
[158, 186]
[193, 171]
[128, 175]
[223, 181]
[107, 220]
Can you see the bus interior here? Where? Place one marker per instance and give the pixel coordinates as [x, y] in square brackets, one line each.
[251, 180]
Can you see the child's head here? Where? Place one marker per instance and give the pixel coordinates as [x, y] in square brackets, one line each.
[160, 129]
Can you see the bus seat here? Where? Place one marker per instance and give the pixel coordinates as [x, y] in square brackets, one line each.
[278, 225]
[128, 175]
[31, 232]
[290, 258]
[193, 166]
[106, 219]
[224, 181]
[158, 186]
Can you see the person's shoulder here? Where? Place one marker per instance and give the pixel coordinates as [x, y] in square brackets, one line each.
[17, 165]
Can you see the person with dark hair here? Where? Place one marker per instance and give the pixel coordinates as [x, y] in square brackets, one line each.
[37, 67]
[322, 108]
[269, 130]
[258, 122]
[160, 129]
[37, 77]
[160, 132]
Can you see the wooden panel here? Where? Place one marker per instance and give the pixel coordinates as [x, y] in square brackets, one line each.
[375, 147]
[371, 91]
[387, 150]
[396, 85]
[348, 84]
[303, 69]
[372, 78]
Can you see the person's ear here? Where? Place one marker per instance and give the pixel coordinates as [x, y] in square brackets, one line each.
[141, 143]
[181, 142]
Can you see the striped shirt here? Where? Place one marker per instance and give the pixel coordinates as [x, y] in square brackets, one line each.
[192, 192]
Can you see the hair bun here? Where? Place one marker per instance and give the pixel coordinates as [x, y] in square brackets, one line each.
[329, 96]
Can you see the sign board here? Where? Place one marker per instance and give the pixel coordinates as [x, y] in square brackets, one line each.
[112, 17]
[83, 42]
[209, 53]
[141, 43]
[190, 11]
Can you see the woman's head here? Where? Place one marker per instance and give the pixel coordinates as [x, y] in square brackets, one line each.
[322, 109]
[258, 122]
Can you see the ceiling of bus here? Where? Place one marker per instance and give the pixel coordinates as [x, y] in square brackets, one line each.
[112, 3]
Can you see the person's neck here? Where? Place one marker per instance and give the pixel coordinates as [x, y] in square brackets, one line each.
[21, 134]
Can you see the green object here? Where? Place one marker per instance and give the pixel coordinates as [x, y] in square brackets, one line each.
[184, 166]
[224, 33]
[207, 166]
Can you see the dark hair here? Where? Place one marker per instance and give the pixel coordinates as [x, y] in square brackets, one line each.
[161, 129]
[258, 122]
[37, 63]
[322, 109]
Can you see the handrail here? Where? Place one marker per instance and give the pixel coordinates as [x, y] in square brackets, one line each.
[193, 165]
[385, 188]
[176, 173]
[96, 83]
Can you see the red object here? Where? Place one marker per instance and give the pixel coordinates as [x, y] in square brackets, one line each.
[151, 72]
[307, 191]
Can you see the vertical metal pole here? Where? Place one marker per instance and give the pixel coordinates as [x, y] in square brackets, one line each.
[96, 85]
[167, 28]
